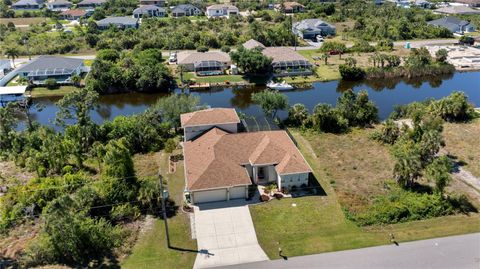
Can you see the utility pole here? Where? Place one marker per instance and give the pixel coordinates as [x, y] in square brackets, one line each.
[164, 211]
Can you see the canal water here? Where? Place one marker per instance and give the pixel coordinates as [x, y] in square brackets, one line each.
[385, 93]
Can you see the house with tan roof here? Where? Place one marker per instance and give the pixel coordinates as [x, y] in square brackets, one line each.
[204, 63]
[290, 7]
[221, 164]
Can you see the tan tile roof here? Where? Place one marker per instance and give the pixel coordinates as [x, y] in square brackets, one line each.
[282, 54]
[291, 5]
[74, 12]
[193, 57]
[216, 159]
[252, 44]
[209, 116]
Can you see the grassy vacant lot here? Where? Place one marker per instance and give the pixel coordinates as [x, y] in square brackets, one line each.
[23, 21]
[462, 141]
[342, 164]
[44, 92]
[329, 71]
[150, 250]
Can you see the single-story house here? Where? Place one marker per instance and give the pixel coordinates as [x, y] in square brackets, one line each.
[59, 5]
[160, 3]
[457, 10]
[310, 28]
[290, 7]
[221, 164]
[91, 4]
[253, 44]
[287, 62]
[471, 3]
[59, 68]
[454, 24]
[27, 5]
[149, 11]
[403, 3]
[73, 14]
[186, 10]
[119, 22]
[204, 63]
[221, 10]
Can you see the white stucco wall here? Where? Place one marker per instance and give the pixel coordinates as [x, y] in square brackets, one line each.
[192, 132]
[288, 181]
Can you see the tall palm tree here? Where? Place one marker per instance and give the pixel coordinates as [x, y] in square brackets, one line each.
[12, 53]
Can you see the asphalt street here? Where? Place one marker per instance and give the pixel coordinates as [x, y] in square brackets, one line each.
[455, 252]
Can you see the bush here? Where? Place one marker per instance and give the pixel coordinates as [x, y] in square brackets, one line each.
[402, 206]
[385, 45]
[50, 83]
[388, 133]
[202, 49]
[351, 73]
[362, 46]
[170, 145]
[225, 49]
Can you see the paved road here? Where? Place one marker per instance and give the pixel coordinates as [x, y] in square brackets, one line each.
[226, 235]
[456, 252]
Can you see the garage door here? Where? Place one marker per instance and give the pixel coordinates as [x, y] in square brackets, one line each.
[209, 196]
[237, 192]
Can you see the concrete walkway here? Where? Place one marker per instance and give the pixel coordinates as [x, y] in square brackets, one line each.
[226, 235]
[459, 252]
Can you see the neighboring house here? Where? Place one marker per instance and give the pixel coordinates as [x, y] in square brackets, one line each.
[403, 3]
[91, 4]
[196, 123]
[423, 4]
[59, 5]
[160, 3]
[73, 14]
[149, 11]
[204, 63]
[287, 62]
[5, 67]
[457, 10]
[221, 10]
[310, 28]
[44, 67]
[454, 24]
[119, 22]
[471, 3]
[253, 44]
[290, 7]
[378, 2]
[186, 10]
[27, 5]
[221, 164]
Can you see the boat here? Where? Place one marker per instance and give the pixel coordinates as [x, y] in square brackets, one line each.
[280, 86]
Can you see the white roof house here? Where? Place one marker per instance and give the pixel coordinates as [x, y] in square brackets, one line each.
[221, 10]
[149, 11]
[59, 5]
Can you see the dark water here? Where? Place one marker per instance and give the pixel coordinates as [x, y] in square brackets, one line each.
[385, 93]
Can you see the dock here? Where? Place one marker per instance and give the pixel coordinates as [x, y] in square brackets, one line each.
[10, 94]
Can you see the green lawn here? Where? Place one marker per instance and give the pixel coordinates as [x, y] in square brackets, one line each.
[317, 223]
[213, 79]
[150, 250]
[44, 92]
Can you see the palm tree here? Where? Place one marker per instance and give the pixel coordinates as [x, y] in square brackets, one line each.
[76, 79]
[325, 57]
[12, 53]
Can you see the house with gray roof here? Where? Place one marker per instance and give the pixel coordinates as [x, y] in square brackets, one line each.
[457, 10]
[91, 4]
[27, 5]
[119, 22]
[59, 5]
[186, 10]
[423, 4]
[149, 11]
[454, 25]
[47, 67]
[310, 28]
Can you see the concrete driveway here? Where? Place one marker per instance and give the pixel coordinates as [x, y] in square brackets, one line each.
[225, 235]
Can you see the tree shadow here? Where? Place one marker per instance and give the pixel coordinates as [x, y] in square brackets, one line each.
[462, 204]
[421, 188]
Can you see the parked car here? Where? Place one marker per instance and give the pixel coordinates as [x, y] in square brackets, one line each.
[173, 58]
[319, 38]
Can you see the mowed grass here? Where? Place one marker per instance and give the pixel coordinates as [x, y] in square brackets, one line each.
[317, 223]
[463, 141]
[45, 92]
[213, 79]
[151, 251]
